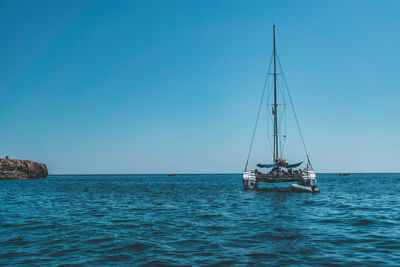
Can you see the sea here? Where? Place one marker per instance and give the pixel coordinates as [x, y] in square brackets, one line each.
[196, 220]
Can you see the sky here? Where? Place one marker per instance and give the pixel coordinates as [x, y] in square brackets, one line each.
[150, 86]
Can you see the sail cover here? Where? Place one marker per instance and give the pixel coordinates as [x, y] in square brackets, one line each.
[266, 165]
[274, 165]
[294, 165]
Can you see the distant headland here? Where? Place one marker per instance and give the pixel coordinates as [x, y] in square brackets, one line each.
[21, 169]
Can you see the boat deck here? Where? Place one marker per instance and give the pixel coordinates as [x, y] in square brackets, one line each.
[268, 178]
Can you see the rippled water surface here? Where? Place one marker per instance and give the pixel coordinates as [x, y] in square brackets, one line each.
[198, 220]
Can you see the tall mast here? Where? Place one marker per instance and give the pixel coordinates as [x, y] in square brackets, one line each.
[276, 151]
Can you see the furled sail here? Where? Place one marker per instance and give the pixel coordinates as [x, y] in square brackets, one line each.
[294, 165]
[266, 165]
[274, 165]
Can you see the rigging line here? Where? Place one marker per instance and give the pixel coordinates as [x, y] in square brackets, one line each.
[284, 132]
[282, 116]
[269, 89]
[258, 115]
[285, 136]
[283, 146]
[282, 110]
[295, 116]
[268, 113]
[269, 93]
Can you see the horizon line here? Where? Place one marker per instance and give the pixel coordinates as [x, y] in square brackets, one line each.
[210, 173]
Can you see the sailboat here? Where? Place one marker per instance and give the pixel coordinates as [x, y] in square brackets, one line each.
[279, 170]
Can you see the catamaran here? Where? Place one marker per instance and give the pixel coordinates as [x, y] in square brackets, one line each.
[280, 170]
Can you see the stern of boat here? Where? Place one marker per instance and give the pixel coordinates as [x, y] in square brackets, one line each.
[249, 180]
[308, 183]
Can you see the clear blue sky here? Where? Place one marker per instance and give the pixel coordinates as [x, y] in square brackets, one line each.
[173, 86]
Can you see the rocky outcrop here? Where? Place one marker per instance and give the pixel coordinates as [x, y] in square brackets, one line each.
[21, 169]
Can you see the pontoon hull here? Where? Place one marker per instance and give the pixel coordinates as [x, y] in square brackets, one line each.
[306, 189]
[249, 180]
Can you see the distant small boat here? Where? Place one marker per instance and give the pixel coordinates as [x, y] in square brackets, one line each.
[344, 174]
[172, 174]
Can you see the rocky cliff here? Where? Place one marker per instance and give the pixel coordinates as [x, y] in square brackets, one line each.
[21, 169]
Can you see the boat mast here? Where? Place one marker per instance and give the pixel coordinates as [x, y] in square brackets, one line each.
[276, 155]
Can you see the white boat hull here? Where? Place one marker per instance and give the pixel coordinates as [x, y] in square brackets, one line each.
[307, 181]
[302, 188]
[308, 184]
[249, 180]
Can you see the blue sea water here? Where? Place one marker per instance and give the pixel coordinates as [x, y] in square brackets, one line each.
[198, 220]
